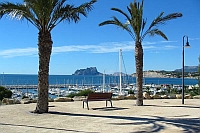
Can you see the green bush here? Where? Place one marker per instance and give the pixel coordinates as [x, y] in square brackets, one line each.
[162, 93]
[130, 91]
[85, 92]
[5, 93]
[71, 95]
[81, 93]
[193, 92]
[175, 91]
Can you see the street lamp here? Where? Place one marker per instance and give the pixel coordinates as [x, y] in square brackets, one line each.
[184, 45]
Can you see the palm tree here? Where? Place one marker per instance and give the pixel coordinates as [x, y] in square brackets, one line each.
[135, 26]
[44, 15]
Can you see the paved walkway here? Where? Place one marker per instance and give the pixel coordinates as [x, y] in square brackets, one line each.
[162, 115]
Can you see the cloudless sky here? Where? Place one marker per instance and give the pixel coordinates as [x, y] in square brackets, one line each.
[85, 44]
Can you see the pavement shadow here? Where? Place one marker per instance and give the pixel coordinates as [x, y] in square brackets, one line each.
[42, 127]
[189, 125]
[109, 108]
[185, 106]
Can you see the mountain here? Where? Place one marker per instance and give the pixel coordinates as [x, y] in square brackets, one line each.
[188, 69]
[87, 71]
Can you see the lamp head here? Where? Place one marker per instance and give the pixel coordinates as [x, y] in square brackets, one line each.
[187, 45]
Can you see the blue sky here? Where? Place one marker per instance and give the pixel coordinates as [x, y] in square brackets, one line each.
[85, 44]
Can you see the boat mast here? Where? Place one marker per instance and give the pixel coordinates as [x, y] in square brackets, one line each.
[120, 72]
[103, 81]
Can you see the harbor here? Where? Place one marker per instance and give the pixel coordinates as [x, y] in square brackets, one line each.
[63, 85]
[63, 90]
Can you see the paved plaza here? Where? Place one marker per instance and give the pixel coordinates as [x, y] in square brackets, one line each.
[159, 115]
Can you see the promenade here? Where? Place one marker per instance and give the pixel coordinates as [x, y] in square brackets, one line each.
[159, 115]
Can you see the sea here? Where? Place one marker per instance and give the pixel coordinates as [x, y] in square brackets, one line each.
[25, 79]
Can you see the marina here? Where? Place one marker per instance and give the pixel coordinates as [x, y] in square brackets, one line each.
[63, 90]
[63, 85]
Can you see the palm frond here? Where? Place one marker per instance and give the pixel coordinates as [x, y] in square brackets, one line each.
[123, 13]
[156, 21]
[161, 20]
[10, 10]
[86, 7]
[43, 11]
[70, 12]
[157, 32]
[116, 22]
[58, 11]
[172, 16]
[17, 11]
[143, 25]
[136, 11]
[137, 23]
[43, 14]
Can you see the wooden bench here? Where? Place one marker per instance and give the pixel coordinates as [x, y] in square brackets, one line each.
[98, 97]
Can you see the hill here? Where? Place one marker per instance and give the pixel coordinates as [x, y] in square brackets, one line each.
[87, 71]
[188, 69]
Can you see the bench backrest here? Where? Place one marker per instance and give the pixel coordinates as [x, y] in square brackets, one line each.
[99, 96]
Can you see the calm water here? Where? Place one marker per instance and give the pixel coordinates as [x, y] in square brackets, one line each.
[17, 79]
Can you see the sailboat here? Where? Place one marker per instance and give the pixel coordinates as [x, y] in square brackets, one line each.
[118, 89]
[120, 73]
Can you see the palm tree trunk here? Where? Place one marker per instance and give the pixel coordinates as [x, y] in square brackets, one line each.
[45, 48]
[139, 72]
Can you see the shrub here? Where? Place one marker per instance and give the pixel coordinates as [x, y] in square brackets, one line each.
[130, 91]
[81, 93]
[193, 92]
[5, 93]
[175, 91]
[71, 95]
[85, 92]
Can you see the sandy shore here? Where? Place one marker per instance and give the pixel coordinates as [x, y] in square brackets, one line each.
[161, 115]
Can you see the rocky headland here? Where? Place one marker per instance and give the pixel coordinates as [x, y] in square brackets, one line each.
[87, 71]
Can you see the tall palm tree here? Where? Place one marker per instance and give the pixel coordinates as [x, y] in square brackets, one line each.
[44, 15]
[135, 26]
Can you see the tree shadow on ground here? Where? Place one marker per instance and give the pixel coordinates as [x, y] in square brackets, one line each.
[189, 125]
[42, 127]
[186, 106]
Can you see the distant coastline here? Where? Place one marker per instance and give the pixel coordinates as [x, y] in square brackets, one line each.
[191, 72]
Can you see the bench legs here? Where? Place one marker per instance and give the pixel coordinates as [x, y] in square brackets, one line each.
[106, 103]
[110, 103]
[87, 104]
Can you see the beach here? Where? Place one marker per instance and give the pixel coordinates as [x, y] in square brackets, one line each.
[158, 115]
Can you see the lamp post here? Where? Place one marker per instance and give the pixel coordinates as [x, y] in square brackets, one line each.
[184, 45]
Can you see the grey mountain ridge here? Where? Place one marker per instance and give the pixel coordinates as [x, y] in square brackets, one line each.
[94, 71]
[87, 71]
[188, 69]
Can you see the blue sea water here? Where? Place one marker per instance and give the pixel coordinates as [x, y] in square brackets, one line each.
[21, 79]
